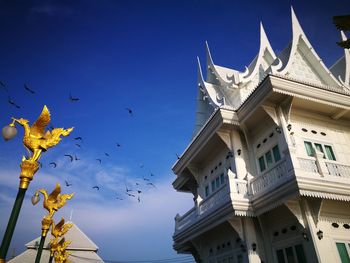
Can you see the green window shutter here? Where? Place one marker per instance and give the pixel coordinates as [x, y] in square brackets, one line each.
[276, 153]
[269, 160]
[343, 253]
[262, 164]
[320, 148]
[329, 153]
[309, 149]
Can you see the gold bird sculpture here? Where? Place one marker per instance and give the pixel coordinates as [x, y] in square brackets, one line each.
[60, 229]
[35, 139]
[55, 200]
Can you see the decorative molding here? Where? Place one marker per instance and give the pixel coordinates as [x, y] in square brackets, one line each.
[315, 206]
[226, 138]
[286, 106]
[294, 207]
[271, 111]
[324, 195]
[236, 223]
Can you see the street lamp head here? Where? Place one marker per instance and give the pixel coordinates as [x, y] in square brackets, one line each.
[35, 198]
[9, 131]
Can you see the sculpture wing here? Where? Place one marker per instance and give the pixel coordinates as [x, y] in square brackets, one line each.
[38, 127]
[60, 224]
[54, 195]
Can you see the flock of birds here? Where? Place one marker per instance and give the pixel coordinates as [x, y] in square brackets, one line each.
[130, 192]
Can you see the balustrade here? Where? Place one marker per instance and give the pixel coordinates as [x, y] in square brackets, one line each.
[340, 170]
[308, 164]
[271, 178]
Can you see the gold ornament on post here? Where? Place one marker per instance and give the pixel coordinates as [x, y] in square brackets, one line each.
[54, 201]
[58, 250]
[51, 203]
[36, 141]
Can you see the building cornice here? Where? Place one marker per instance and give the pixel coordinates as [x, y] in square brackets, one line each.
[220, 117]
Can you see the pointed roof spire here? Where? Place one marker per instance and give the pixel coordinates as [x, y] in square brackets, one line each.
[301, 45]
[269, 57]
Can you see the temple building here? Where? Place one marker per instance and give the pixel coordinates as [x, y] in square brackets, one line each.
[269, 161]
[82, 249]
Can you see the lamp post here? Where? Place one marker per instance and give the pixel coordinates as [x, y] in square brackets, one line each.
[57, 231]
[51, 203]
[36, 140]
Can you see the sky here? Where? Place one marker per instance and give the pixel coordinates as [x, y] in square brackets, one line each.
[120, 55]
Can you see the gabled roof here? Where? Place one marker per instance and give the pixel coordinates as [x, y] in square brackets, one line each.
[80, 241]
[303, 61]
[299, 61]
[82, 247]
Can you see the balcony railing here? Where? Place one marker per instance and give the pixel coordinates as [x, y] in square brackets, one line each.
[308, 164]
[215, 200]
[271, 178]
[336, 169]
[185, 220]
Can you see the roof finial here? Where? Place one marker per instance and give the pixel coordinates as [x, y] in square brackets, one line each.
[71, 215]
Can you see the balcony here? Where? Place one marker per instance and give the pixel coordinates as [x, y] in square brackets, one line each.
[216, 200]
[272, 178]
[314, 176]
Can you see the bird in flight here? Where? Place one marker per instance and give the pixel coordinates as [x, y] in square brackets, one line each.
[70, 156]
[99, 160]
[119, 145]
[119, 198]
[127, 189]
[73, 99]
[54, 165]
[138, 199]
[96, 187]
[152, 174]
[26, 87]
[2, 84]
[67, 184]
[177, 156]
[76, 158]
[11, 101]
[130, 195]
[78, 145]
[145, 179]
[139, 191]
[151, 184]
[78, 138]
[129, 111]
[107, 154]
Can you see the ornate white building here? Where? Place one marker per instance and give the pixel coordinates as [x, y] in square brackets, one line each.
[269, 163]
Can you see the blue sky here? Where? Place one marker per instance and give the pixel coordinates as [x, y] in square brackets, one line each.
[114, 55]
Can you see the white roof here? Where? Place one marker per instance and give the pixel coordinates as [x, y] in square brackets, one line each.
[83, 249]
[224, 87]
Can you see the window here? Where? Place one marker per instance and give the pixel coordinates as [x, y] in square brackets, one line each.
[262, 164]
[213, 185]
[206, 190]
[292, 254]
[325, 149]
[269, 158]
[222, 179]
[344, 252]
